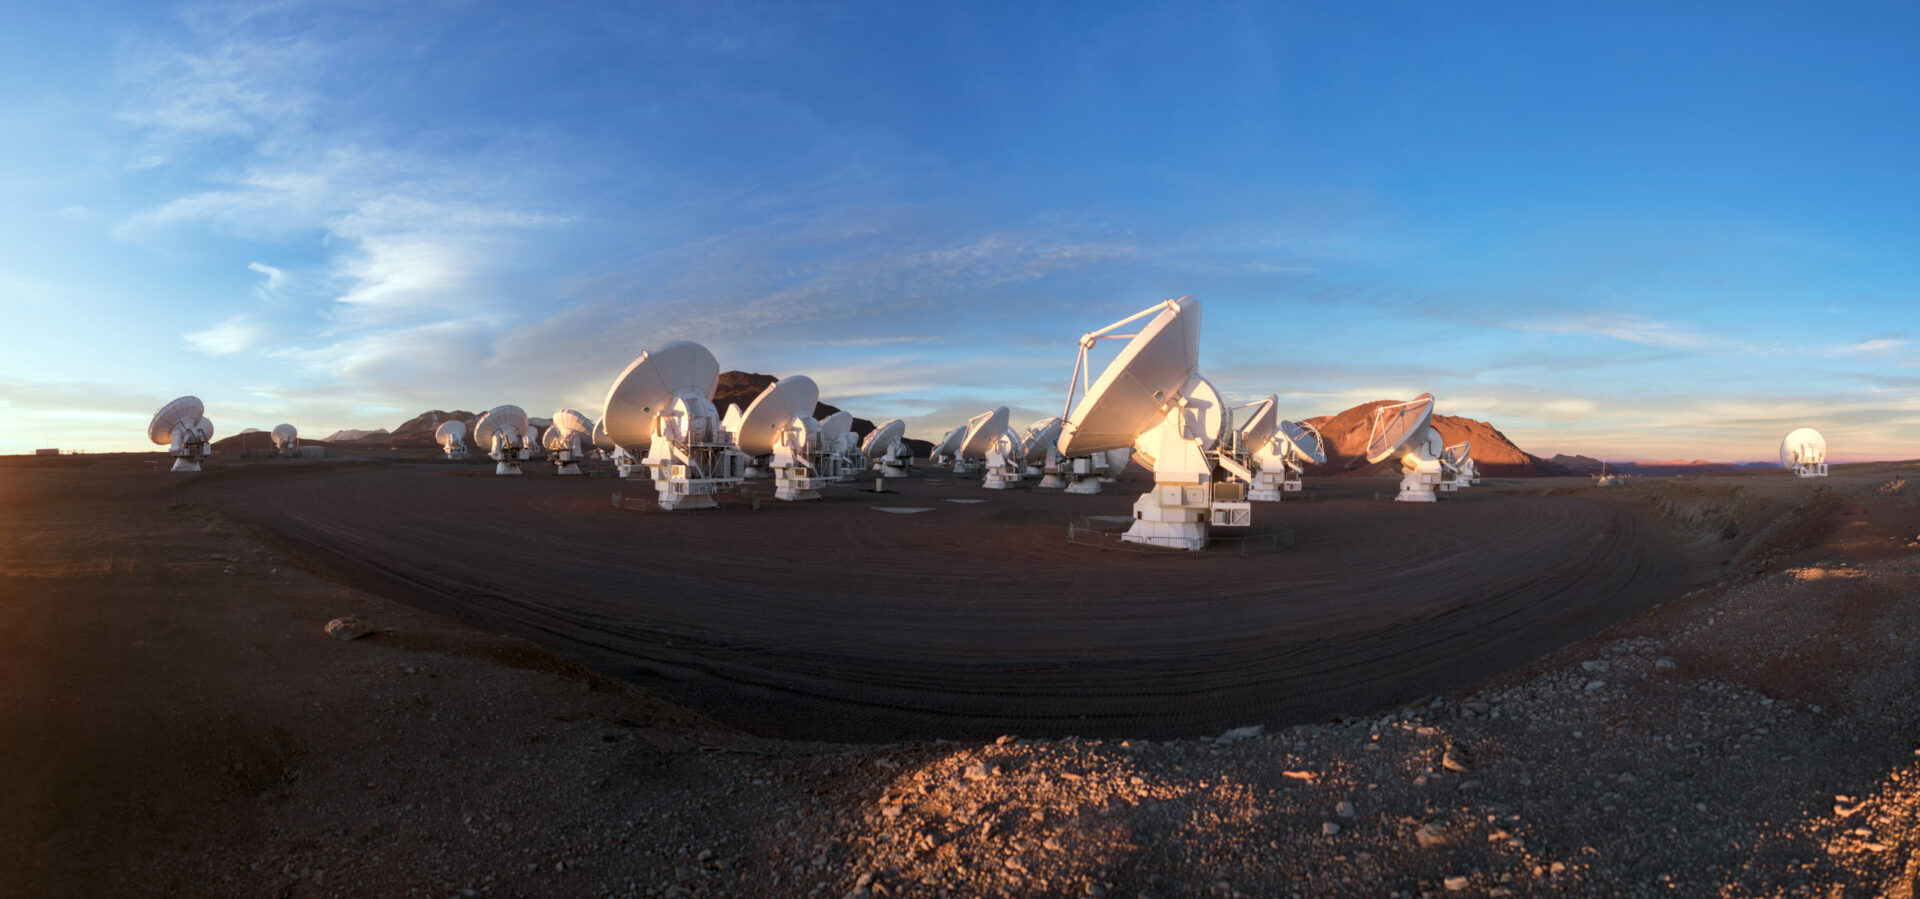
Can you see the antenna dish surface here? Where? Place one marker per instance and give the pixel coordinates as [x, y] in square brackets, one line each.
[951, 443]
[1261, 424]
[783, 401]
[570, 422]
[1045, 433]
[650, 384]
[452, 430]
[883, 438]
[600, 438]
[1305, 439]
[284, 434]
[982, 431]
[1802, 446]
[183, 412]
[1458, 453]
[510, 421]
[833, 426]
[1396, 424]
[1132, 392]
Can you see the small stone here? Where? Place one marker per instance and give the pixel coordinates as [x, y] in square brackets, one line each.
[1455, 883]
[890, 812]
[1593, 665]
[979, 771]
[1003, 739]
[1432, 835]
[1557, 868]
[1328, 828]
[1455, 759]
[1594, 684]
[1344, 809]
[1241, 733]
[350, 627]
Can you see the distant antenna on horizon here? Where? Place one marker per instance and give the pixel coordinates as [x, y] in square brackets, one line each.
[1405, 430]
[452, 437]
[286, 440]
[507, 434]
[566, 440]
[1804, 453]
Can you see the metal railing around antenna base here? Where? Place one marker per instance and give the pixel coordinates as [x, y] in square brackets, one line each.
[1106, 532]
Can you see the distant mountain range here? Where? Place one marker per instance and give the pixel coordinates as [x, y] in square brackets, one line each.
[1345, 436]
[1588, 465]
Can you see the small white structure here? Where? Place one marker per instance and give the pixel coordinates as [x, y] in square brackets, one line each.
[452, 437]
[183, 428]
[1153, 398]
[1298, 443]
[1804, 453]
[887, 448]
[566, 440]
[1405, 430]
[286, 440]
[663, 401]
[505, 432]
[779, 426]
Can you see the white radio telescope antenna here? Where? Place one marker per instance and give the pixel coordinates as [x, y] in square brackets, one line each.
[503, 431]
[181, 426]
[566, 440]
[1258, 449]
[970, 454]
[1457, 462]
[286, 440]
[1804, 453]
[1406, 430]
[837, 437]
[1153, 399]
[663, 402]
[452, 437]
[943, 452]
[886, 446]
[779, 427]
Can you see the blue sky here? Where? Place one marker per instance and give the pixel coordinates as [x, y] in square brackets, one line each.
[1635, 231]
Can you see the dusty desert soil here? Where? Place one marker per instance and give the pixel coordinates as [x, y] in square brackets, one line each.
[834, 620]
[174, 721]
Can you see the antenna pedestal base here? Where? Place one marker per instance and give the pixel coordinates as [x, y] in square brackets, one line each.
[1000, 478]
[1172, 515]
[1084, 485]
[1268, 487]
[892, 471]
[1418, 484]
[967, 466]
[1803, 470]
[1053, 481]
[507, 466]
[182, 463]
[569, 467]
[797, 488]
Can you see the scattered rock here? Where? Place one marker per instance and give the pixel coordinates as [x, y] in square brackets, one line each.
[1456, 884]
[1594, 665]
[350, 627]
[1344, 809]
[1594, 684]
[1328, 828]
[1455, 759]
[1241, 733]
[1431, 835]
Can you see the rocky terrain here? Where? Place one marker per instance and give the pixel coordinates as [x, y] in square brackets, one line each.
[1345, 435]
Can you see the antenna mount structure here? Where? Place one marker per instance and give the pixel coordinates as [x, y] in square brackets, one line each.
[1406, 430]
[663, 402]
[183, 428]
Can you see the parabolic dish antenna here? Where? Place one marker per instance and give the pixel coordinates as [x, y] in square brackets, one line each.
[770, 412]
[1041, 437]
[1804, 453]
[1131, 395]
[566, 440]
[452, 437]
[600, 438]
[205, 427]
[1397, 425]
[1305, 441]
[883, 439]
[982, 431]
[950, 444]
[181, 414]
[647, 387]
[286, 438]
[887, 448]
[835, 425]
[503, 432]
[1261, 423]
